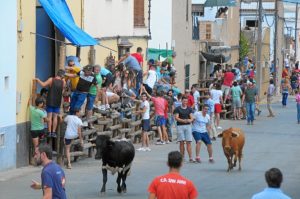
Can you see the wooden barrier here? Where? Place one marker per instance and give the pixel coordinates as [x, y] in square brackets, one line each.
[111, 123]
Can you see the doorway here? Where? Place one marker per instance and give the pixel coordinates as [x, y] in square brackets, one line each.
[45, 48]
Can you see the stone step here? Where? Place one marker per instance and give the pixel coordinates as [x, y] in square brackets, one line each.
[125, 130]
[135, 123]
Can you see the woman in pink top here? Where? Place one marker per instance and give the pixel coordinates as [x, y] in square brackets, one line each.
[160, 109]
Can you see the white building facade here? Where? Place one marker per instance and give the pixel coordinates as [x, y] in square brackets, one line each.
[8, 70]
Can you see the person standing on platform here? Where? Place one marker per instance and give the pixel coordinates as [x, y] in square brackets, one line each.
[54, 98]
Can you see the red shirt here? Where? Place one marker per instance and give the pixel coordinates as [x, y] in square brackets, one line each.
[228, 79]
[172, 186]
[191, 101]
[160, 106]
[285, 73]
[138, 57]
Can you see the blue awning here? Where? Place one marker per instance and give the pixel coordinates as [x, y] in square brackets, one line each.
[60, 14]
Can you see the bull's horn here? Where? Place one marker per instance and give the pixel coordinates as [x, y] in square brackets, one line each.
[235, 133]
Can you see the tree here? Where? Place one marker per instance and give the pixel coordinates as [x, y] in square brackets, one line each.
[244, 46]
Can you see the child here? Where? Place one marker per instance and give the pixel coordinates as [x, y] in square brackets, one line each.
[37, 118]
[298, 105]
[73, 130]
[145, 106]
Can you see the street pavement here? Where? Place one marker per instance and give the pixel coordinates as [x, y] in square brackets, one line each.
[270, 142]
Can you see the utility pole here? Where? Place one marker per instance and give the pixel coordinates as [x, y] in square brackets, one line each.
[275, 43]
[296, 34]
[259, 48]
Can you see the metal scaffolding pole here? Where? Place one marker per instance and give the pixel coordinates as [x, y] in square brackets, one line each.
[275, 43]
[259, 48]
[296, 34]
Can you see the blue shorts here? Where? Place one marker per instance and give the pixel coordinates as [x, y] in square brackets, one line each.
[202, 136]
[52, 109]
[146, 125]
[294, 86]
[68, 141]
[90, 102]
[160, 120]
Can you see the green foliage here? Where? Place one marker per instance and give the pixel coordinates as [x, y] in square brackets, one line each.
[244, 46]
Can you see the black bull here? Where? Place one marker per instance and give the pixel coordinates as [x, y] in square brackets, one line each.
[116, 156]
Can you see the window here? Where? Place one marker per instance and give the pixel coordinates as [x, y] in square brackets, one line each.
[187, 76]
[1, 139]
[195, 32]
[139, 18]
[6, 82]
[252, 23]
[208, 31]
[187, 11]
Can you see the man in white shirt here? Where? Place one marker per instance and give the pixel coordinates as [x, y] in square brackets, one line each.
[200, 128]
[73, 130]
[151, 77]
[270, 93]
[216, 95]
[145, 110]
[196, 96]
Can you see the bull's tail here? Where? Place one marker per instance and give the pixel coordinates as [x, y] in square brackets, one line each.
[127, 170]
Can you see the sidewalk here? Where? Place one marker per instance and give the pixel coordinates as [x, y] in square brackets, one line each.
[19, 172]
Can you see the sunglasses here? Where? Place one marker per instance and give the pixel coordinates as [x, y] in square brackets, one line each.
[72, 65]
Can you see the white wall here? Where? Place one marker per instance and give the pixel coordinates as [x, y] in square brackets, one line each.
[106, 18]
[161, 24]
[8, 63]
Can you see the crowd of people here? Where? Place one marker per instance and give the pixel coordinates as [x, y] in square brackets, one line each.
[195, 117]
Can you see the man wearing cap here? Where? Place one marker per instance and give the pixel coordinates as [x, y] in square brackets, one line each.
[56, 86]
[151, 77]
[251, 98]
[86, 79]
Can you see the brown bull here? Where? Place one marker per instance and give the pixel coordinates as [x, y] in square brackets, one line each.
[233, 140]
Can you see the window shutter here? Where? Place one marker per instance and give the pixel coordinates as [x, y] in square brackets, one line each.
[139, 18]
